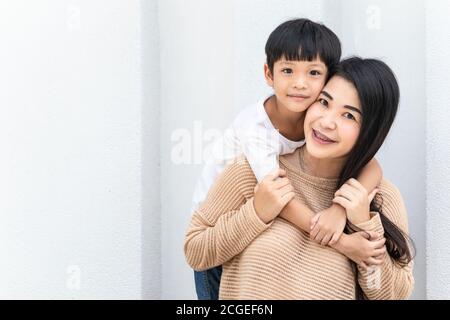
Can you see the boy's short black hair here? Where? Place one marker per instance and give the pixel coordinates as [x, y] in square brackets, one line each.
[303, 40]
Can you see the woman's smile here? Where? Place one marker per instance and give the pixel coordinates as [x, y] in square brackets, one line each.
[321, 138]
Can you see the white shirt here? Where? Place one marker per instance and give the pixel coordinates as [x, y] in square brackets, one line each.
[251, 134]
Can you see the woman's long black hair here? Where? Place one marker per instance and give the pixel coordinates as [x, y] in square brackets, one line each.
[379, 96]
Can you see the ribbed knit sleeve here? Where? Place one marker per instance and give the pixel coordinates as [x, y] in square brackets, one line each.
[387, 281]
[226, 222]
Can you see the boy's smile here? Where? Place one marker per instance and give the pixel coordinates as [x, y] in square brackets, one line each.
[298, 97]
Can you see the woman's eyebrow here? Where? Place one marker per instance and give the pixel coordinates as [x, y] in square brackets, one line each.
[326, 94]
[353, 109]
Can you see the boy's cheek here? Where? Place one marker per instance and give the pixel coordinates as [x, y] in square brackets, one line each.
[320, 84]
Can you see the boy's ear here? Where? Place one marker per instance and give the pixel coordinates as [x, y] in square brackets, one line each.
[268, 75]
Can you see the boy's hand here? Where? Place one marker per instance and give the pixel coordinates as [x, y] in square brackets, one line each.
[272, 194]
[365, 248]
[328, 225]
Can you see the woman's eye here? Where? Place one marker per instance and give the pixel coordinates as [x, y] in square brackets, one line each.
[315, 73]
[287, 71]
[348, 115]
[323, 102]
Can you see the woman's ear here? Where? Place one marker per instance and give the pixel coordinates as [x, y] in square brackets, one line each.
[268, 75]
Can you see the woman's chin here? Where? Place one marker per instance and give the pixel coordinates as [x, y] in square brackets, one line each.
[319, 152]
[325, 152]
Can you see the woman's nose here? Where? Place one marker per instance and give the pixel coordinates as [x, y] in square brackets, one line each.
[328, 121]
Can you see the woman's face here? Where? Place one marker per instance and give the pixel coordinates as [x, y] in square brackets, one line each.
[333, 122]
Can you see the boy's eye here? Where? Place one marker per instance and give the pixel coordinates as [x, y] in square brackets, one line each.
[323, 102]
[287, 71]
[315, 73]
[348, 115]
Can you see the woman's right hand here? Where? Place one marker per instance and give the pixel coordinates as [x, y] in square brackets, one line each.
[365, 248]
[272, 194]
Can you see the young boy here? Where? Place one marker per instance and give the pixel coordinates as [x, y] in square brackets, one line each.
[299, 55]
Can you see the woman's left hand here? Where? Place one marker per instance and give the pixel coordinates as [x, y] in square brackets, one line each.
[356, 201]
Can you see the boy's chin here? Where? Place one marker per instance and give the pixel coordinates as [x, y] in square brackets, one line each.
[297, 108]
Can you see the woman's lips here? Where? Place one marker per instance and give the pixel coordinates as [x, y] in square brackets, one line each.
[320, 138]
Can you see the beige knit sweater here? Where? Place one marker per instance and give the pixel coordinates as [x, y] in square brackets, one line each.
[278, 260]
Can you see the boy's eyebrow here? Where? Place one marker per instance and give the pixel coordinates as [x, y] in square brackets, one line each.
[292, 63]
[326, 94]
[317, 65]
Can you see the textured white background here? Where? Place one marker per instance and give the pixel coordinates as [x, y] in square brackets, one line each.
[70, 131]
[438, 150]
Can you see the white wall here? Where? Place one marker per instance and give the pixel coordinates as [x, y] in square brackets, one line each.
[438, 151]
[196, 94]
[70, 130]
[150, 146]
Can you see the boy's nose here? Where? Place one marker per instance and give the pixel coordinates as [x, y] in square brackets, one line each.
[300, 83]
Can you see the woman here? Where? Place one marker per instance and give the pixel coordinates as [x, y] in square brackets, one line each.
[264, 256]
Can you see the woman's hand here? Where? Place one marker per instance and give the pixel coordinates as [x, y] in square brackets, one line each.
[365, 248]
[354, 198]
[272, 194]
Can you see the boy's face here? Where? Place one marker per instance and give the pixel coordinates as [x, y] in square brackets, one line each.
[296, 84]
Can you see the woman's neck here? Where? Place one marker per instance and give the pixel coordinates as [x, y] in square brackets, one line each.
[324, 168]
